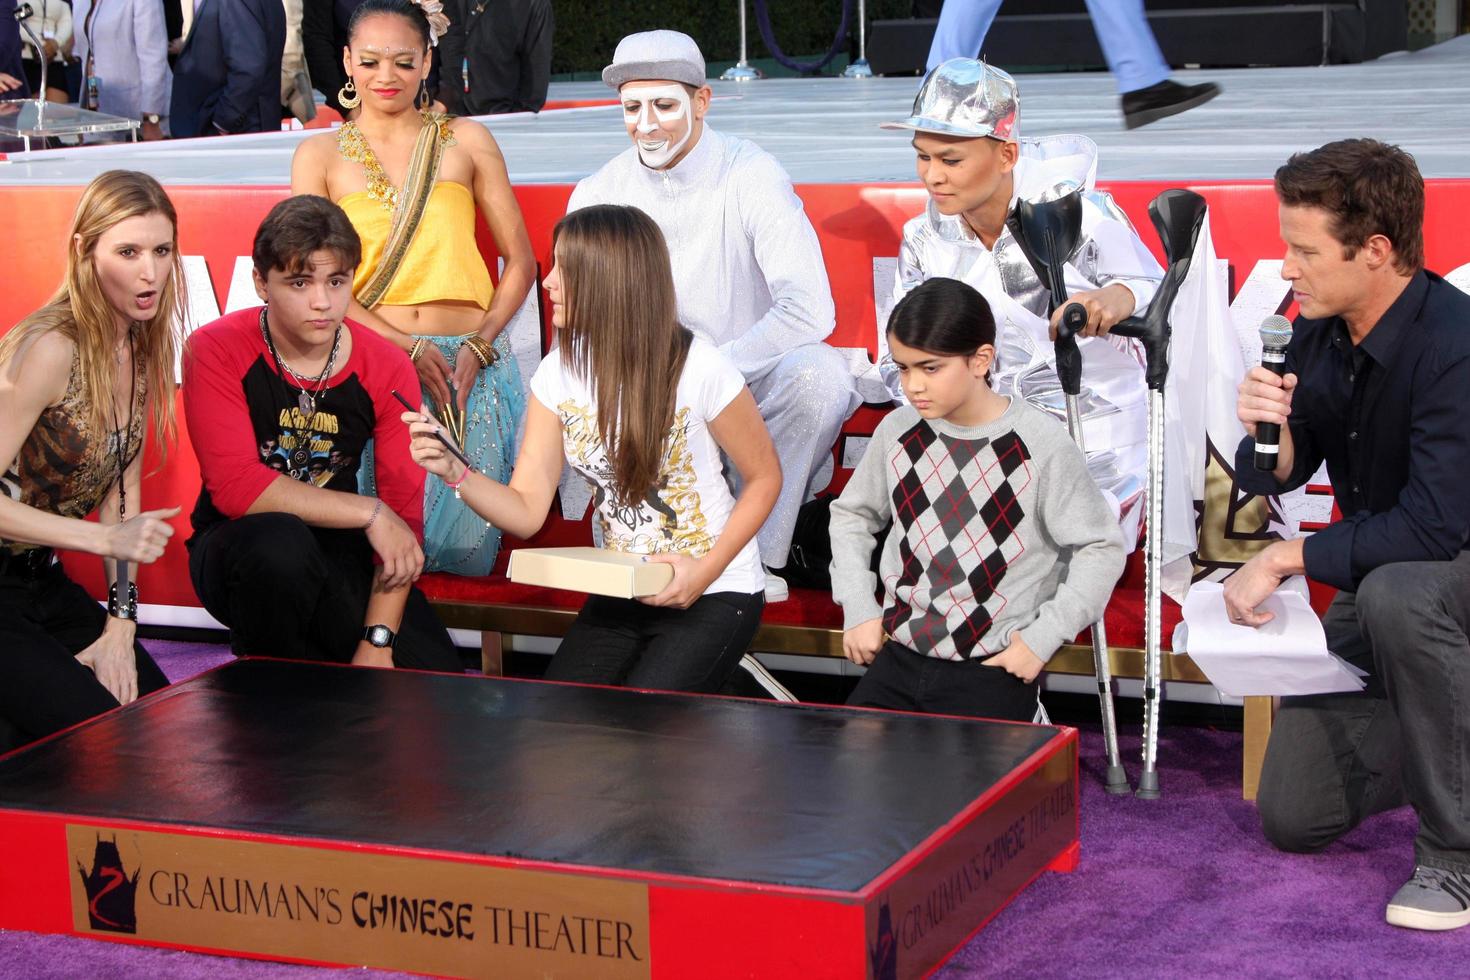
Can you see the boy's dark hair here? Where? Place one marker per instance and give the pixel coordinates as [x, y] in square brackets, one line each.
[410, 12]
[943, 316]
[299, 226]
[1369, 188]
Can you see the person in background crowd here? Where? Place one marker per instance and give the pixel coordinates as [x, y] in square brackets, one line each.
[123, 47]
[178, 17]
[1146, 92]
[50, 20]
[296, 96]
[748, 269]
[12, 65]
[433, 297]
[81, 380]
[228, 77]
[643, 408]
[323, 37]
[280, 401]
[496, 56]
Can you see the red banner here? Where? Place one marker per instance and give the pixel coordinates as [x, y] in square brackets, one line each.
[858, 225]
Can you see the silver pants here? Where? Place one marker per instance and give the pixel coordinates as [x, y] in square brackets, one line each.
[804, 398]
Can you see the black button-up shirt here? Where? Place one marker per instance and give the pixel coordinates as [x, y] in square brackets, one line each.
[1391, 418]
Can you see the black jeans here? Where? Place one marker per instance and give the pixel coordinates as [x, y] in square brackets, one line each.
[286, 589]
[1334, 759]
[626, 643]
[903, 680]
[46, 619]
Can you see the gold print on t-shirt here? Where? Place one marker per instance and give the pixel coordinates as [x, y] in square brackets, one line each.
[668, 519]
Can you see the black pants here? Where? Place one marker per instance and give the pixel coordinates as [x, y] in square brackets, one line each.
[289, 590]
[1335, 759]
[626, 643]
[902, 680]
[46, 619]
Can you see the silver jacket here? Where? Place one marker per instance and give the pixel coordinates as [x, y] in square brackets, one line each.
[748, 271]
[1114, 399]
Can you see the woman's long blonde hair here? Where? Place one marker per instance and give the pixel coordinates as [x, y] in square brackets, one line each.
[79, 309]
[622, 335]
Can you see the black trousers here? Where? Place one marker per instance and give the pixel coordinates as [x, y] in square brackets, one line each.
[901, 680]
[286, 589]
[1335, 759]
[45, 621]
[626, 643]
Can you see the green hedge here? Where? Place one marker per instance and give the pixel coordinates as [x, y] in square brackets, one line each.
[587, 31]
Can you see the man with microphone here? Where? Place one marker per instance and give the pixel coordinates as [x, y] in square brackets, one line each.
[1374, 384]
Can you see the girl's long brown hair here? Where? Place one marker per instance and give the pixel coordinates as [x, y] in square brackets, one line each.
[622, 335]
[79, 310]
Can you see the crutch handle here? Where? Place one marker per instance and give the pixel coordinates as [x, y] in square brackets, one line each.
[1178, 216]
[1152, 331]
[1069, 357]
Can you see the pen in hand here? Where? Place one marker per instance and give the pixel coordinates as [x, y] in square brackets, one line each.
[458, 454]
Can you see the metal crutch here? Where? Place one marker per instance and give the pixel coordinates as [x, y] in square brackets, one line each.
[1048, 233]
[1177, 216]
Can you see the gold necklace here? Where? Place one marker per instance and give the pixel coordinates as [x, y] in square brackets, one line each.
[353, 145]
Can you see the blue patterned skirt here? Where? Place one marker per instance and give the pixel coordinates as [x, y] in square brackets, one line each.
[456, 539]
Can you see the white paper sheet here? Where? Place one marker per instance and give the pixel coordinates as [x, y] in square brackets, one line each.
[1288, 655]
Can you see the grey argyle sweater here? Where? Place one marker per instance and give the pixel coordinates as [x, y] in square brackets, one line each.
[996, 528]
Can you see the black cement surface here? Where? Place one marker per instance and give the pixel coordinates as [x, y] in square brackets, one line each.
[660, 783]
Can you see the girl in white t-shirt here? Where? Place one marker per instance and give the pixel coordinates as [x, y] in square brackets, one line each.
[643, 409]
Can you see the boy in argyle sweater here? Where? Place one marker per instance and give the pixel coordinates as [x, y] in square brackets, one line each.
[1002, 548]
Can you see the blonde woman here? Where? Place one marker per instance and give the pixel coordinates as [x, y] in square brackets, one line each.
[412, 182]
[643, 409]
[81, 380]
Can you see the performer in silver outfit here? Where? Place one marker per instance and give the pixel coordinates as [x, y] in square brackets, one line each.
[975, 167]
[748, 270]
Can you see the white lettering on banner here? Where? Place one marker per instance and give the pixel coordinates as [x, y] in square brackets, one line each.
[1460, 278]
[1264, 293]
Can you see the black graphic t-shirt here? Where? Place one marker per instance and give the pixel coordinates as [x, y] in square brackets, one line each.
[248, 427]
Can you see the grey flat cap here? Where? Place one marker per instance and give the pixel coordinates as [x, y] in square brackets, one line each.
[655, 55]
[965, 97]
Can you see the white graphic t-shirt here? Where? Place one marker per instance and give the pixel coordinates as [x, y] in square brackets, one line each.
[687, 509]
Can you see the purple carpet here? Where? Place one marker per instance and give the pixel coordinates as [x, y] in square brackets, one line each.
[1183, 886]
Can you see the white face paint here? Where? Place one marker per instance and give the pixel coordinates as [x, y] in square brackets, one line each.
[660, 119]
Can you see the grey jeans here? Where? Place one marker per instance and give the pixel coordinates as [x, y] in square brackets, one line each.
[1335, 759]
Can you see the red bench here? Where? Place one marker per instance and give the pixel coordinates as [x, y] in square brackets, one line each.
[810, 624]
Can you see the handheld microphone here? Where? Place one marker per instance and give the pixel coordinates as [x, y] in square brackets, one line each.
[1275, 336]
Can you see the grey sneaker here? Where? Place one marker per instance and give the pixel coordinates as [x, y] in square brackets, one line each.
[1432, 899]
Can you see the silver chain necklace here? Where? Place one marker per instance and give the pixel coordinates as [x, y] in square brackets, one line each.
[306, 398]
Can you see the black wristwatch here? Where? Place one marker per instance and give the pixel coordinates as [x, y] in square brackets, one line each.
[380, 636]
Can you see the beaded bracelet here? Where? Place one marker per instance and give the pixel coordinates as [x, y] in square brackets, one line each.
[417, 350]
[377, 509]
[482, 349]
[123, 610]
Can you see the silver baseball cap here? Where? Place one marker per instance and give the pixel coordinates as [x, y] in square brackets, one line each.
[968, 98]
[655, 55]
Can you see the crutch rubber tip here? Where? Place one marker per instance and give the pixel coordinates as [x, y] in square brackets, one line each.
[1116, 781]
[1148, 786]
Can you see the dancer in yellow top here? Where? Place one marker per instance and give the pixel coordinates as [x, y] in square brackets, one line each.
[411, 182]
